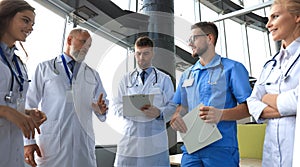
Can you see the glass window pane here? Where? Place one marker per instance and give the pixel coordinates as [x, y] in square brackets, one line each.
[186, 9]
[234, 40]
[43, 30]
[207, 14]
[258, 49]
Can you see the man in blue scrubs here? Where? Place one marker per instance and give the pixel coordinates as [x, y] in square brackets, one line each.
[222, 86]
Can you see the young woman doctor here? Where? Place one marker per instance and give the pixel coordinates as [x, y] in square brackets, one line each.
[16, 20]
[274, 97]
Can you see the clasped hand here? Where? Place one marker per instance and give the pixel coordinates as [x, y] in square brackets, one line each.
[27, 122]
[38, 116]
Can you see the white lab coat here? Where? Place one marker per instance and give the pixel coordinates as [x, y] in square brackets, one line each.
[67, 137]
[144, 141]
[296, 161]
[279, 136]
[11, 137]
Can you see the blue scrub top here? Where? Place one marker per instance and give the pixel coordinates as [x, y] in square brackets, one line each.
[223, 83]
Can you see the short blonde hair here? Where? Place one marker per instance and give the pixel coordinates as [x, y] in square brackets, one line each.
[77, 31]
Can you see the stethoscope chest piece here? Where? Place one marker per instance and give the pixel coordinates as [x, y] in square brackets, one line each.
[56, 71]
[8, 97]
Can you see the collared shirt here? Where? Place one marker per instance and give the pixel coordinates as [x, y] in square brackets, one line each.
[68, 58]
[222, 84]
[278, 84]
[293, 52]
[8, 52]
[76, 65]
[148, 72]
[279, 145]
[288, 53]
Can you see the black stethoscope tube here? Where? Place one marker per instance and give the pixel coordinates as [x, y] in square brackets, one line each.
[275, 62]
[137, 75]
[8, 97]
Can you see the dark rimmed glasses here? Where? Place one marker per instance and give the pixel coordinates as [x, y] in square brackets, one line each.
[194, 37]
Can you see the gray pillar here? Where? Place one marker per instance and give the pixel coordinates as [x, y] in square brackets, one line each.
[161, 30]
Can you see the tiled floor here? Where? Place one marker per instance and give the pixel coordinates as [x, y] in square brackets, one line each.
[250, 162]
[244, 162]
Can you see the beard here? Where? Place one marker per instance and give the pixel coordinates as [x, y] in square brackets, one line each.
[200, 52]
[195, 55]
[77, 55]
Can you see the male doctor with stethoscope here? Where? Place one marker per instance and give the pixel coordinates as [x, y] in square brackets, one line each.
[275, 94]
[144, 141]
[68, 94]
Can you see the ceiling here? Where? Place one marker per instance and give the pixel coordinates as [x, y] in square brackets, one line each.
[122, 26]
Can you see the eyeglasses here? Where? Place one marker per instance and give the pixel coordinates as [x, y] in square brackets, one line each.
[194, 37]
[82, 41]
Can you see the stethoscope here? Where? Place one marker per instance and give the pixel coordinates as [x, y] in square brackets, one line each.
[210, 82]
[55, 70]
[70, 76]
[273, 65]
[18, 75]
[137, 75]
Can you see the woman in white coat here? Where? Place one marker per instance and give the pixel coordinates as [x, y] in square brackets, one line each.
[144, 141]
[66, 96]
[16, 20]
[275, 94]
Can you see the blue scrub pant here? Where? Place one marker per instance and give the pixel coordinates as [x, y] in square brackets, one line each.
[211, 157]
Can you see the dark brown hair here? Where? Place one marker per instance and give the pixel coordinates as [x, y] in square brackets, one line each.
[8, 9]
[144, 41]
[208, 28]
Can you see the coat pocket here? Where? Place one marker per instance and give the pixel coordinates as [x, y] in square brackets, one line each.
[5, 142]
[49, 139]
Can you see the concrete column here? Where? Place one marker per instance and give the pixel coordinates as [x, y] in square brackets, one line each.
[161, 30]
